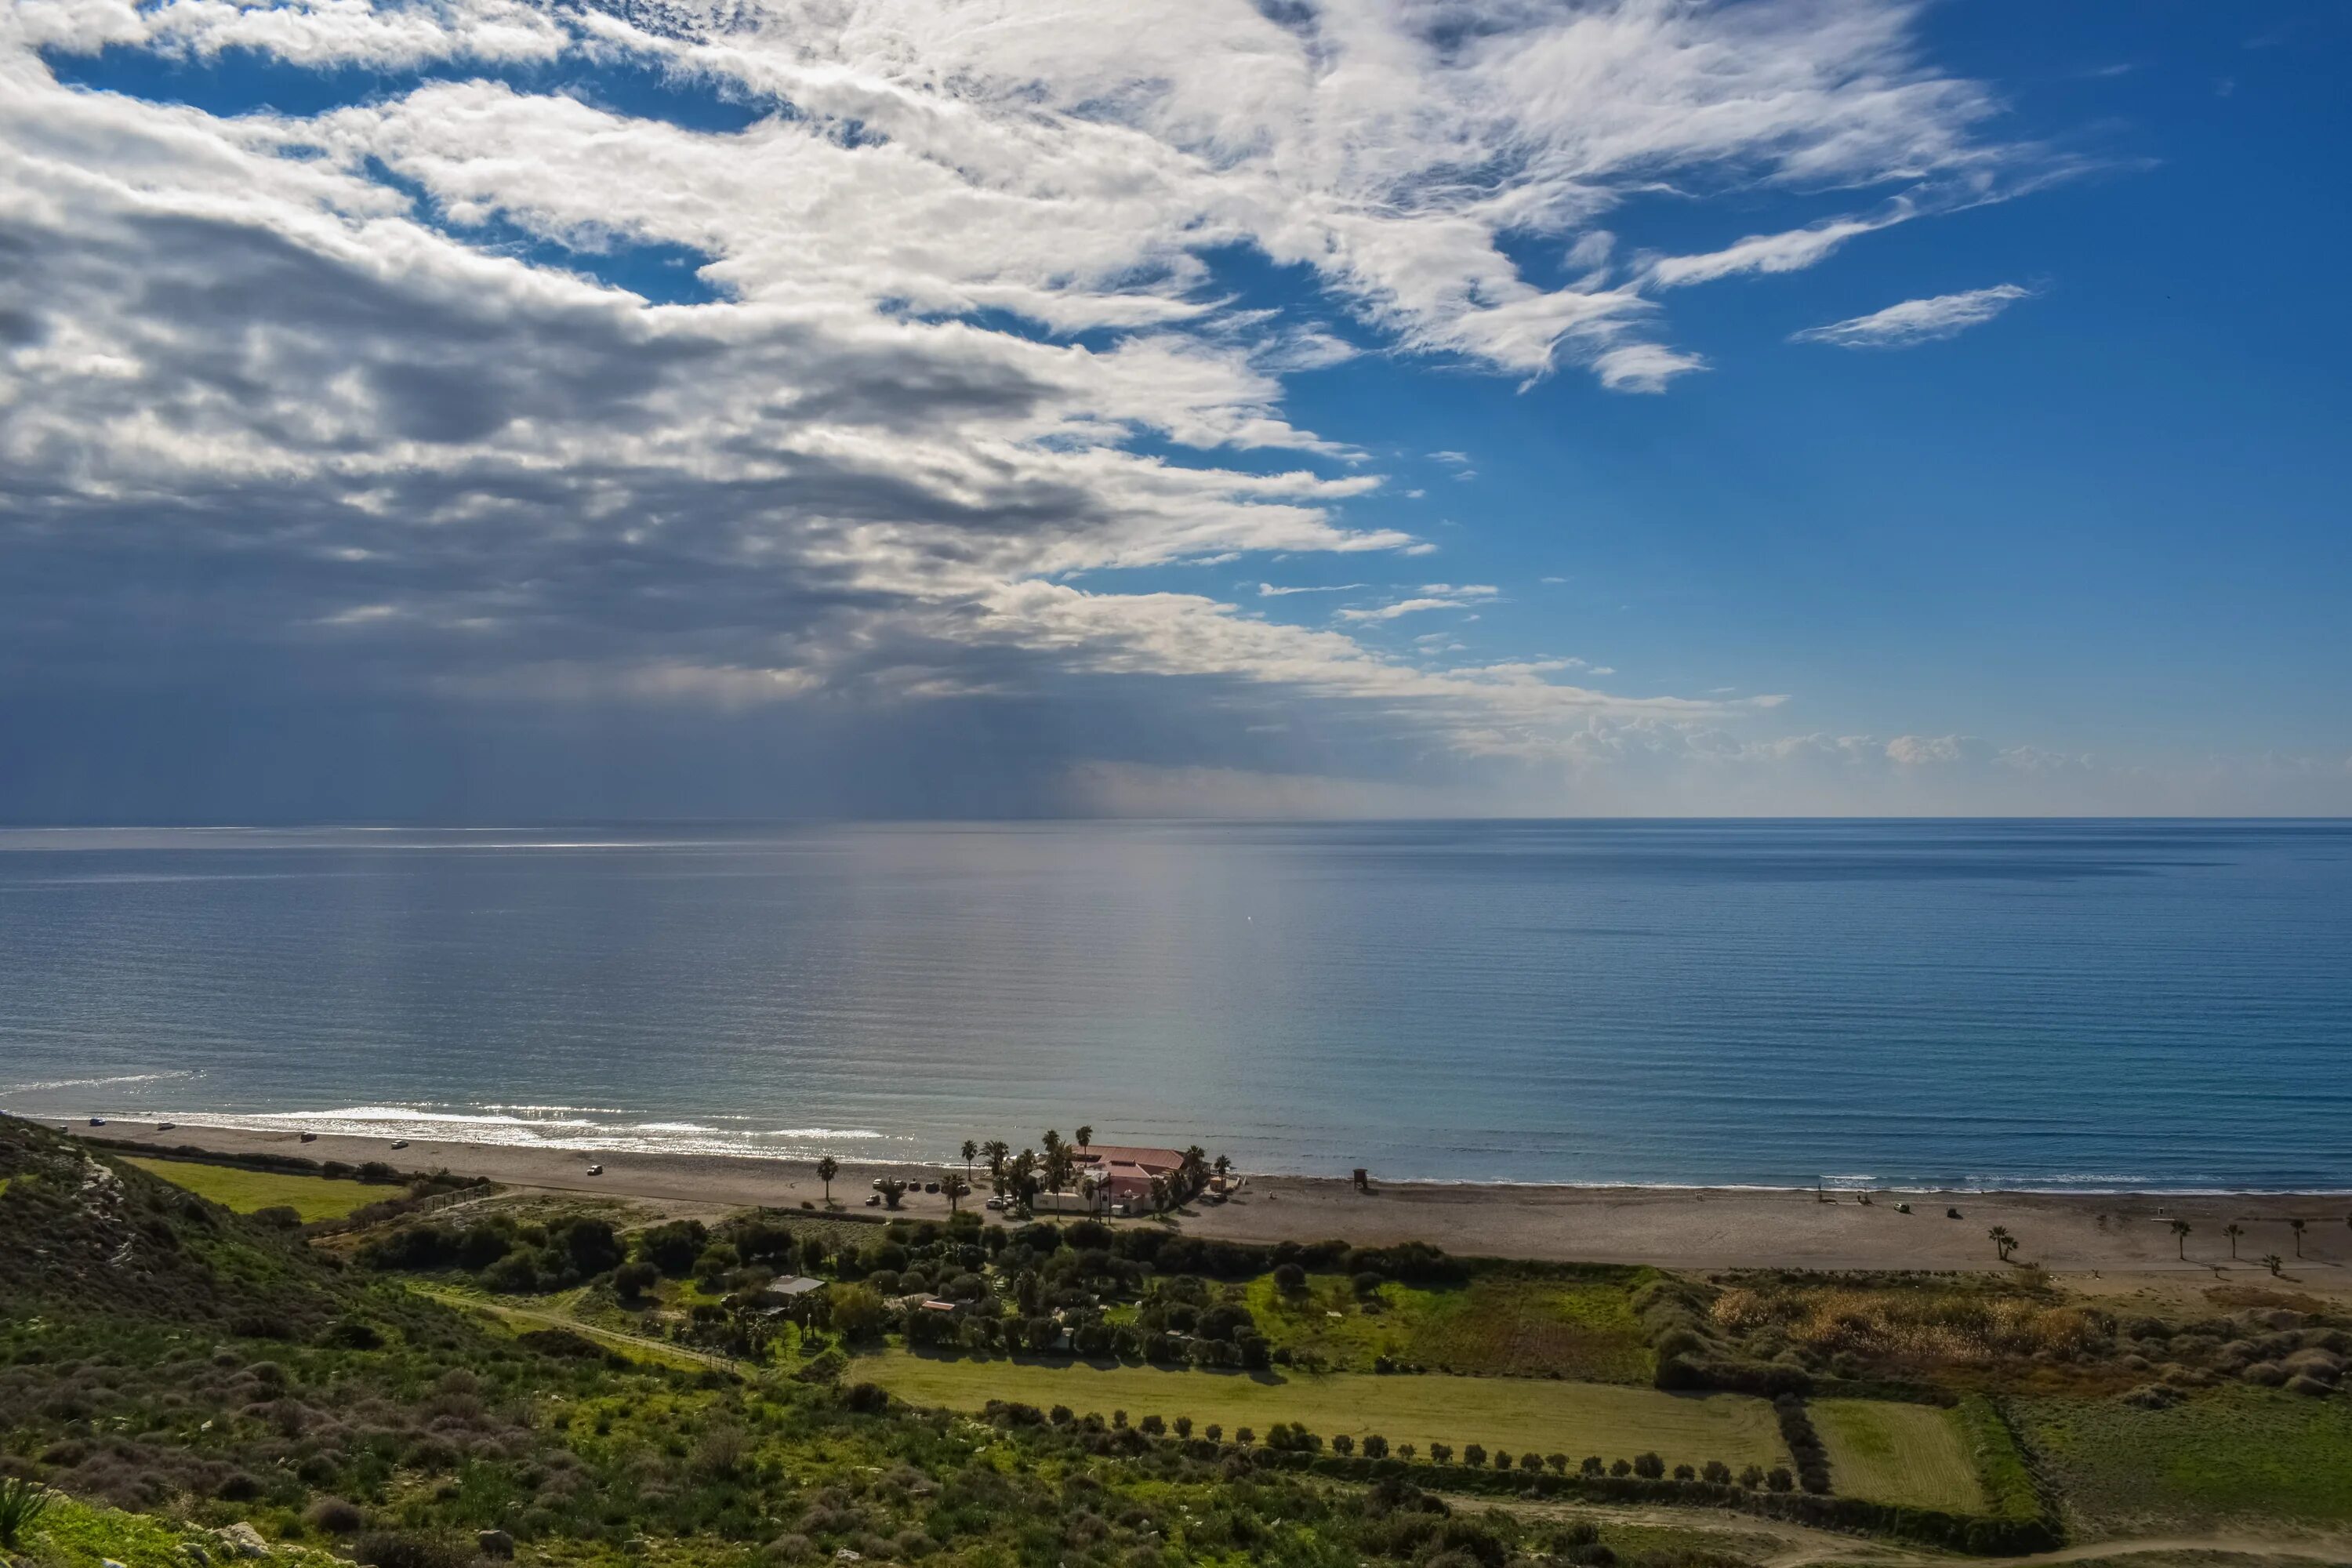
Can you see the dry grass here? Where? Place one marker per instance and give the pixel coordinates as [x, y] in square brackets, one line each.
[1955, 1327]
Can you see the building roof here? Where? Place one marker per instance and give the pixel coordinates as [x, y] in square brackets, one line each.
[800, 1285]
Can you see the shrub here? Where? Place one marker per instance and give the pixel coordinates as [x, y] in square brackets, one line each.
[1375, 1446]
[1594, 1464]
[334, 1516]
[1475, 1455]
[1649, 1466]
[1779, 1479]
[22, 1502]
[1289, 1278]
[1343, 1444]
[412, 1549]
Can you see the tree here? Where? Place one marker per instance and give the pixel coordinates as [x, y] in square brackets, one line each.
[2233, 1230]
[1441, 1453]
[826, 1169]
[955, 1187]
[2274, 1262]
[2180, 1228]
[996, 1152]
[1649, 1465]
[1086, 1137]
[854, 1311]
[1475, 1455]
[1223, 1167]
[892, 1189]
[2004, 1243]
[970, 1150]
[2297, 1225]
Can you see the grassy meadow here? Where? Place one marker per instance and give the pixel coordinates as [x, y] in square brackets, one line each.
[1581, 1326]
[1894, 1452]
[313, 1197]
[2228, 1455]
[1514, 1414]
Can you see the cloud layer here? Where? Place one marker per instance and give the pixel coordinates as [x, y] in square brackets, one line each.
[785, 354]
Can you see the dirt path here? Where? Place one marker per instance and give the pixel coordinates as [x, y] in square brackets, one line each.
[661, 1348]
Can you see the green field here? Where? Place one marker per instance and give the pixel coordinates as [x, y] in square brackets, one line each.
[1497, 1325]
[1898, 1452]
[1514, 1414]
[312, 1197]
[2228, 1454]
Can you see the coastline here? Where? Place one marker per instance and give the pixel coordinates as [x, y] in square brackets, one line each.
[2089, 1234]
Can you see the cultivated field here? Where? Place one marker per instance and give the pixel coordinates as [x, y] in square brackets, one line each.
[1898, 1452]
[1513, 1414]
[1575, 1323]
[312, 1197]
[2221, 1456]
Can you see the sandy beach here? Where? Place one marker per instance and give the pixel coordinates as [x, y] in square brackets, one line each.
[2078, 1235]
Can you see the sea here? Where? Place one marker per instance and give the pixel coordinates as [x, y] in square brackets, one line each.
[2092, 1005]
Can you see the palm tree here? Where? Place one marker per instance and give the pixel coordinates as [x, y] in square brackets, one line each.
[971, 1150]
[955, 1187]
[1194, 1172]
[1086, 1137]
[2002, 1240]
[2181, 1233]
[2297, 1225]
[996, 1152]
[2274, 1262]
[826, 1169]
[2233, 1230]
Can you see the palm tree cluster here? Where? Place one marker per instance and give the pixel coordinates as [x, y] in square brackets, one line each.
[1052, 1166]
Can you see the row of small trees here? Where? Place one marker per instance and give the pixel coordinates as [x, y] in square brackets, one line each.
[1052, 1166]
[1291, 1437]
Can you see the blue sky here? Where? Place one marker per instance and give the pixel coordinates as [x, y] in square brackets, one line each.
[484, 409]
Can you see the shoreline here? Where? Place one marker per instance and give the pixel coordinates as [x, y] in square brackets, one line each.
[2092, 1234]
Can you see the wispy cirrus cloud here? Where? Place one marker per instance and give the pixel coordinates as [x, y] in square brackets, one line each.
[1917, 321]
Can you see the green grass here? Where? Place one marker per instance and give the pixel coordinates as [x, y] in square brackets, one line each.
[1892, 1452]
[2232, 1453]
[73, 1534]
[1497, 1325]
[1515, 1414]
[312, 1197]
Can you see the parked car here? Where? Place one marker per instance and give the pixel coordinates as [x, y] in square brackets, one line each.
[595, 1170]
[994, 1204]
[167, 1126]
[400, 1143]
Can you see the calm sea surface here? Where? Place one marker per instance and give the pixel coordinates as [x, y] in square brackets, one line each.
[2049, 1004]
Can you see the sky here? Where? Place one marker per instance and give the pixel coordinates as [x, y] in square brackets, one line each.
[488, 410]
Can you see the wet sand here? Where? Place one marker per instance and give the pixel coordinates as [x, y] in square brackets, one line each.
[2078, 1235]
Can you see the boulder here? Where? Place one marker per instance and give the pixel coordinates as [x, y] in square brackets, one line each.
[244, 1540]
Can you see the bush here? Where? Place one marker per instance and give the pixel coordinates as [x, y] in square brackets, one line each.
[21, 1501]
[1475, 1455]
[333, 1516]
[1649, 1466]
[412, 1549]
[1289, 1278]
[632, 1280]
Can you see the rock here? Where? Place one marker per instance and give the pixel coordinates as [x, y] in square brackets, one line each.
[110, 1562]
[494, 1544]
[244, 1540]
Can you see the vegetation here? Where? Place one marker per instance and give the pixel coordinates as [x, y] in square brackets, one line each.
[1570, 1323]
[2230, 1455]
[1897, 1452]
[249, 1192]
[564, 1378]
[1515, 1415]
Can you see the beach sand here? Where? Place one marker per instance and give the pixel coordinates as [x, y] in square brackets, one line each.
[2086, 1236]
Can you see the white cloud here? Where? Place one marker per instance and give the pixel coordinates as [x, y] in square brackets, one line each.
[1919, 320]
[1269, 591]
[356, 371]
